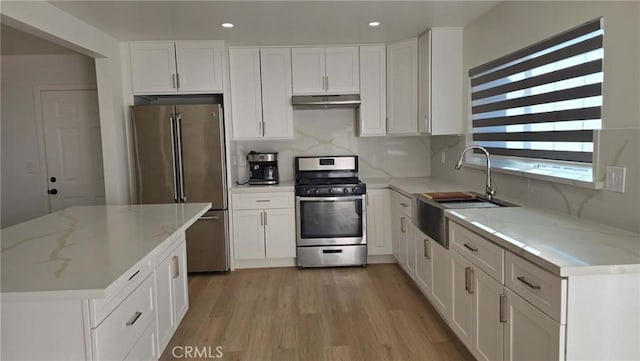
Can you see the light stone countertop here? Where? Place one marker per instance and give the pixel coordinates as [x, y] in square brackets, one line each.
[78, 252]
[563, 244]
[283, 186]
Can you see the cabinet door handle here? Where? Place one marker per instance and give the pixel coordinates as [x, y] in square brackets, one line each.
[470, 247]
[265, 219]
[403, 227]
[176, 265]
[173, 81]
[261, 219]
[178, 80]
[529, 284]
[262, 201]
[467, 271]
[133, 275]
[210, 218]
[471, 283]
[503, 308]
[404, 205]
[260, 128]
[134, 318]
[327, 77]
[427, 255]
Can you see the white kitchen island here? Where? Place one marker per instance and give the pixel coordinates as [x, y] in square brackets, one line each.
[95, 283]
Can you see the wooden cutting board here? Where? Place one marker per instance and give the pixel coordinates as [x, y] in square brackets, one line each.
[439, 196]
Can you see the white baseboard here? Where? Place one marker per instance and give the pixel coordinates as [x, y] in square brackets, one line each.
[380, 258]
[265, 263]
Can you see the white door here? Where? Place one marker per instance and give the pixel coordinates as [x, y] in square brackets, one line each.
[423, 261]
[180, 286]
[342, 69]
[461, 298]
[529, 333]
[199, 65]
[153, 67]
[73, 148]
[441, 282]
[165, 302]
[373, 90]
[402, 87]
[378, 222]
[277, 112]
[308, 70]
[487, 328]
[248, 234]
[246, 97]
[279, 231]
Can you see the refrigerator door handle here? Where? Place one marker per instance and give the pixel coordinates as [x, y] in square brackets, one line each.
[173, 157]
[183, 193]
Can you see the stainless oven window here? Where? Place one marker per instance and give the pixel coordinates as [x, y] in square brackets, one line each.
[337, 218]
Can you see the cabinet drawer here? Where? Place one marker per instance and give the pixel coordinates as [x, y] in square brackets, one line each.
[539, 287]
[145, 348]
[403, 203]
[119, 290]
[263, 200]
[483, 253]
[116, 336]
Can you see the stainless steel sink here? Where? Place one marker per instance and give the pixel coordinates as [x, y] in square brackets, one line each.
[428, 214]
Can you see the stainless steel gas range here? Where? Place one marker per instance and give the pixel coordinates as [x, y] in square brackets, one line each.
[331, 219]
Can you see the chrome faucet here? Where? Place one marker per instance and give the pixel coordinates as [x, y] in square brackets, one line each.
[489, 192]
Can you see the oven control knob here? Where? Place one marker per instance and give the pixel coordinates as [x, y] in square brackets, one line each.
[346, 190]
[330, 190]
[354, 190]
[316, 191]
[307, 191]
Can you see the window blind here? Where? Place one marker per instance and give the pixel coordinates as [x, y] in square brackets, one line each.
[542, 101]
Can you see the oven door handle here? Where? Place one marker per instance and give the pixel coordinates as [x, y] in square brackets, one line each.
[340, 198]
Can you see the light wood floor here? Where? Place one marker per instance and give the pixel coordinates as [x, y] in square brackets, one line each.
[372, 313]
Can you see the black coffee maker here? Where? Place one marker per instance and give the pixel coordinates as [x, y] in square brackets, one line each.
[263, 168]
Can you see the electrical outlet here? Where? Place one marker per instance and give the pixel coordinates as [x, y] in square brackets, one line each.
[615, 179]
[443, 157]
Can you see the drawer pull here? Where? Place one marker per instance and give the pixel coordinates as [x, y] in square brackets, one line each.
[133, 275]
[403, 227]
[135, 318]
[470, 247]
[176, 262]
[210, 218]
[404, 205]
[331, 251]
[263, 200]
[531, 285]
[426, 246]
[503, 308]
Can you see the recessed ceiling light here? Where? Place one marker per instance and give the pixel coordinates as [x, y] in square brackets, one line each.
[374, 23]
[226, 25]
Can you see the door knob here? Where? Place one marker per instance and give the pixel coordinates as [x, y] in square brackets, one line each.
[52, 191]
[52, 179]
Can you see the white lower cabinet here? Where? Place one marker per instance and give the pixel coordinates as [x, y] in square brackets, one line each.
[529, 333]
[461, 316]
[424, 264]
[441, 281]
[145, 349]
[488, 322]
[263, 226]
[378, 222]
[172, 297]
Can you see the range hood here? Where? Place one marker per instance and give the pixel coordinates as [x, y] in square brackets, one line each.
[325, 101]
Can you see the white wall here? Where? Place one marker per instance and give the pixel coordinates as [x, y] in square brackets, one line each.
[332, 132]
[23, 196]
[515, 24]
[45, 20]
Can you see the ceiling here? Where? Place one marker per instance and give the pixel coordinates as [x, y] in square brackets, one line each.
[16, 42]
[273, 22]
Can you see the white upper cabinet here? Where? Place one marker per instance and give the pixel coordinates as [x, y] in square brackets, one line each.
[153, 67]
[246, 98]
[402, 87]
[277, 112]
[342, 69]
[261, 93]
[440, 81]
[331, 70]
[373, 90]
[176, 67]
[199, 65]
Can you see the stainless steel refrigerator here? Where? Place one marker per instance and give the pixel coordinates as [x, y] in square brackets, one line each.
[179, 159]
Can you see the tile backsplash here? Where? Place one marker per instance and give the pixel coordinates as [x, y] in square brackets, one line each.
[618, 147]
[333, 132]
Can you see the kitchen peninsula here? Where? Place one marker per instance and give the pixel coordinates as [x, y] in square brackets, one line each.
[96, 282]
